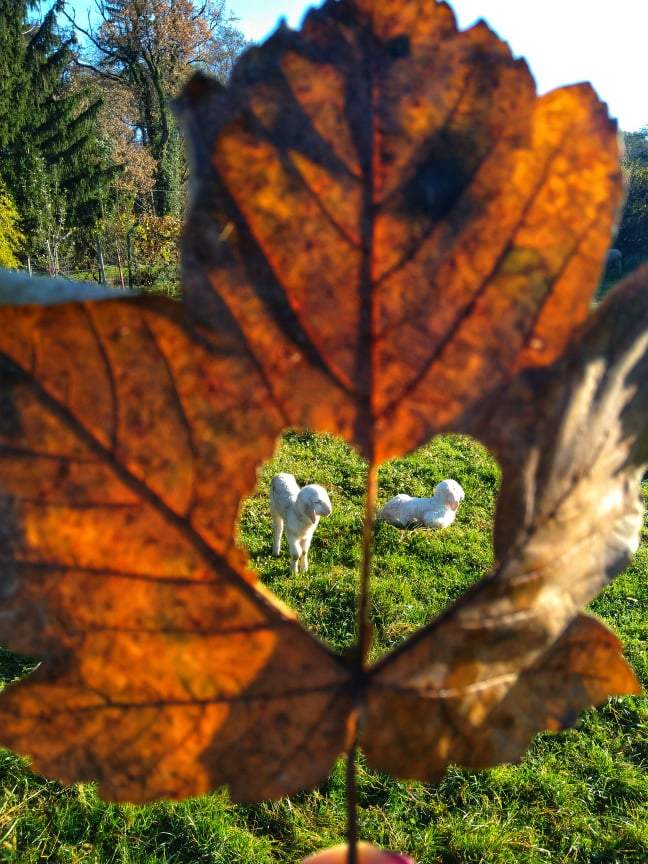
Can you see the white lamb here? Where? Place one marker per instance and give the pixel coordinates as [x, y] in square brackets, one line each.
[439, 511]
[299, 511]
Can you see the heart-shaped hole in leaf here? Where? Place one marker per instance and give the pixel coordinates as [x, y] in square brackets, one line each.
[416, 572]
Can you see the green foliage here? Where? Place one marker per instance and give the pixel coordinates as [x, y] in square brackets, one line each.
[11, 237]
[157, 252]
[580, 797]
[171, 167]
[52, 158]
[632, 236]
[13, 77]
[635, 145]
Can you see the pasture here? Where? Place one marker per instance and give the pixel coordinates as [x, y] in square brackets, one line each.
[579, 797]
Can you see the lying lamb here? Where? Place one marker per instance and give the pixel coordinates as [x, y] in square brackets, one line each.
[436, 512]
[299, 510]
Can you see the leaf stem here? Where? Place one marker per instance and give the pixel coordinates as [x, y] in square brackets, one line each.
[364, 624]
[362, 650]
[352, 804]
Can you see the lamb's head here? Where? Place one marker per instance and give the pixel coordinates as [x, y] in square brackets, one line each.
[314, 501]
[450, 493]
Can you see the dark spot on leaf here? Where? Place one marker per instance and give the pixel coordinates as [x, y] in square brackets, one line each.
[399, 47]
[439, 181]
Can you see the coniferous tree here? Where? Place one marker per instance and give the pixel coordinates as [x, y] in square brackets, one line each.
[13, 72]
[52, 158]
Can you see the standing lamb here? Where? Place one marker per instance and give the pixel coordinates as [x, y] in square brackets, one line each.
[299, 510]
[436, 512]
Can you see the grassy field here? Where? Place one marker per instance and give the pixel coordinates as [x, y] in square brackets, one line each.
[581, 796]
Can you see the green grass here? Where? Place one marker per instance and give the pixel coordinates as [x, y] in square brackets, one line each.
[415, 573]
[581, 796]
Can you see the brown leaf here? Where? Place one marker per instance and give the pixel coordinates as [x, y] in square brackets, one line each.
[481, 707]
[119, 493]
[386, 228]
[513, 657]
[393, 219]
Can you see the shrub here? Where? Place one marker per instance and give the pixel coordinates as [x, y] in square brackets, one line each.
[632, 237]
[156, 251]
[11, 237]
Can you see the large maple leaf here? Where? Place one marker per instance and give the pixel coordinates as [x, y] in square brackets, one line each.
[390, 236]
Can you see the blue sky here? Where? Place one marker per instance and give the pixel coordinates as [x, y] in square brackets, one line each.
[564, 41]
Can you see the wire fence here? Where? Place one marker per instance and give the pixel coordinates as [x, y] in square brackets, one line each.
[114, 276]
[143, 257]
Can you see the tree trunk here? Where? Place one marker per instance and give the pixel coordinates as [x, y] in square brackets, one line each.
[129, 256]
[168, 154]
[100, 263]
[121, 269]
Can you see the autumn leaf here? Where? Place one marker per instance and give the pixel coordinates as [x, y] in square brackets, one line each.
[162, 658]
[389, 236]
[513, 656]
[393, 219]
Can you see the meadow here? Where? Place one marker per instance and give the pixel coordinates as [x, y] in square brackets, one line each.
[580, 796]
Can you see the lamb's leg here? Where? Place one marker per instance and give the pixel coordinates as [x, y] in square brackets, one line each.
[295, 552]
[303, 557]
[277, 531]
[303, 562]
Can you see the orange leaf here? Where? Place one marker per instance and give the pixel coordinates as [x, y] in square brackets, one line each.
[119, 490]
[389, 236]
[513, 656]
[392, 219]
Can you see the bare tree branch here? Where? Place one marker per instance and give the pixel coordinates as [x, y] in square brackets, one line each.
[98, 71]
[88, 34]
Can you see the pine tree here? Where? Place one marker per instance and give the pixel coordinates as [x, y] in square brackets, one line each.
[53, 159]
[13, 72]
